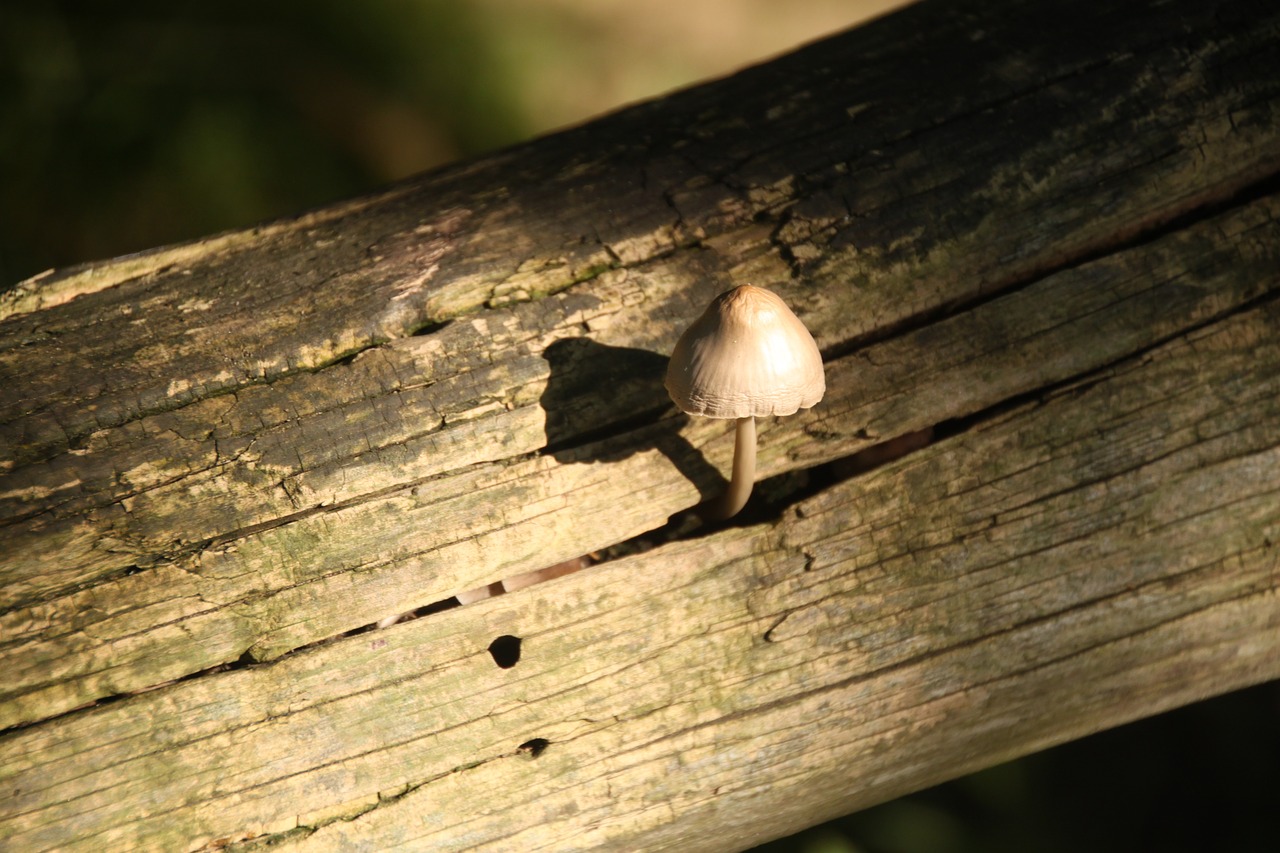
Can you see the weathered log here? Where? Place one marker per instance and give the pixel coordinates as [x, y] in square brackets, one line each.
[1042, 242]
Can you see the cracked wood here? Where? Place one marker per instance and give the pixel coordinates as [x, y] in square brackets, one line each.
[942, 607]
[227, 451]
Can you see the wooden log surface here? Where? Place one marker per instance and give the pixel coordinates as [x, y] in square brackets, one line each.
[1039, 244]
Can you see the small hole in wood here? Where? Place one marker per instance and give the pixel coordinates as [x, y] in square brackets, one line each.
[505, 651]
[534, 748]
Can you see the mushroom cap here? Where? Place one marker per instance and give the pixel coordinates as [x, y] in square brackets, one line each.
[746, 356]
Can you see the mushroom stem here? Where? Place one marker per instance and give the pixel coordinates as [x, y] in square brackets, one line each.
[744, 472]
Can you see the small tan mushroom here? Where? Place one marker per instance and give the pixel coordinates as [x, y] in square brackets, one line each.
[747, 356]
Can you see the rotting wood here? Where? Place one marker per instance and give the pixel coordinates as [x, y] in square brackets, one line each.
[934, 616]
[230, 450]
[276, 589]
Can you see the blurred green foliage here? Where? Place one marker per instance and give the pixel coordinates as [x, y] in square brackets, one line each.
[128, 125]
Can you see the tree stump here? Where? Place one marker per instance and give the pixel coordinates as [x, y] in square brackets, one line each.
[1038, 247]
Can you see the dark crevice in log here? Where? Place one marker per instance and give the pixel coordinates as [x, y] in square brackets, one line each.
[1204, 210]
[239, 663]
[774, 495]
[1213, 203]
[1082, 382]
[245, 661]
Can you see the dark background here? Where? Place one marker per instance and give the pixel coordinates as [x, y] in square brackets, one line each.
[127, 126]
[124, 126]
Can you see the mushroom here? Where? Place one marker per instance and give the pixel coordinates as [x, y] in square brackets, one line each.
[746, 357]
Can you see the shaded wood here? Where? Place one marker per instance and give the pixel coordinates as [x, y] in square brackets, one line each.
[1049, 237]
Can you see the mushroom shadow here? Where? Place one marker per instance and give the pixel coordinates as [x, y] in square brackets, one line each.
[596, 393]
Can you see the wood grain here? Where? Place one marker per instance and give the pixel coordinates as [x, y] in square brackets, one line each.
[935, 615]
[1049, 240]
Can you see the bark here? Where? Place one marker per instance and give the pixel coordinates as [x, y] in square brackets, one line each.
[1038, 247]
